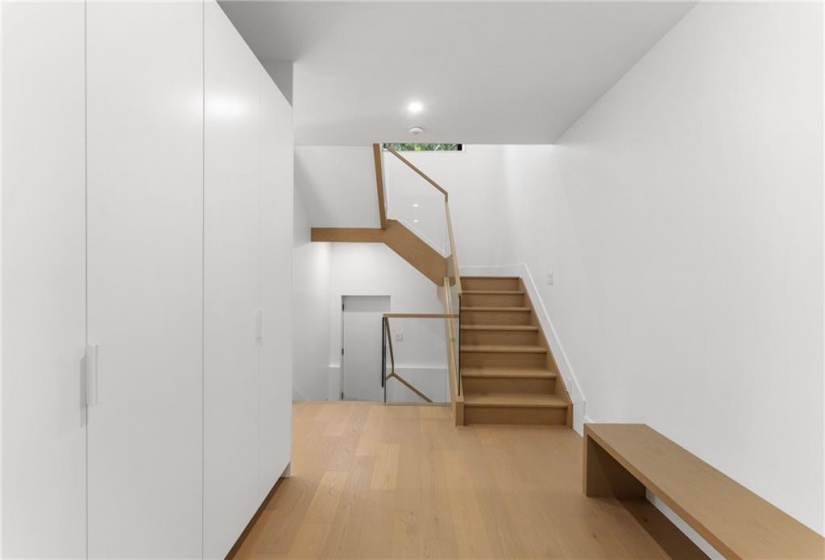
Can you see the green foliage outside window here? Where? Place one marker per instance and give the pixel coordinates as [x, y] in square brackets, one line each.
[425, 147]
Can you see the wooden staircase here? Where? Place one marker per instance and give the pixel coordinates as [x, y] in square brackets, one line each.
[508, 373]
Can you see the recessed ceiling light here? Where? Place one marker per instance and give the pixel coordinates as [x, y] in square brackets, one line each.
[415, 107]
[415, 205]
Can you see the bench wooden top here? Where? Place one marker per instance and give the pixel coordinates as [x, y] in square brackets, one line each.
[734, 520]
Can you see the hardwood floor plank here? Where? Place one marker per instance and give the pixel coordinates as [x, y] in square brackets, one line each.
[342, 541]
[470, 531]
[337, 428]
[385, 475]
[286, 514]
[384, 482]
[407, 536]
[325, 502]
[309, 541]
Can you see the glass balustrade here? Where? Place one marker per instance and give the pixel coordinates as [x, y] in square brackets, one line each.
[415, 356]
[423, 364]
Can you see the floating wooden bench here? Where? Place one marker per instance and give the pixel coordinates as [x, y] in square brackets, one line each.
[622, 460]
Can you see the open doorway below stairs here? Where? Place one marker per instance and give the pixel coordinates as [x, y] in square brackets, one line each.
[361, 346]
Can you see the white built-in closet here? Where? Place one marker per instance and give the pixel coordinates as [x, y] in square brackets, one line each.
[146, 272]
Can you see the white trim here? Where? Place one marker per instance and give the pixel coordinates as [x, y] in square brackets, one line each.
[565, 368]
[680, 524]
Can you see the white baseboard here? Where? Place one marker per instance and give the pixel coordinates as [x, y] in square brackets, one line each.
[680, 524]
[565, 368]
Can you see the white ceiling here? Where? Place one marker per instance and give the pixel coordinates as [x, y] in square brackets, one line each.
[487, 72]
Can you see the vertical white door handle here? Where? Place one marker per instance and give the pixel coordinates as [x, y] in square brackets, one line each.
[259, 327]
[92, 382]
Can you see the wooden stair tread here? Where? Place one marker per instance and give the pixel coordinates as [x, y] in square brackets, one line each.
[499, 328]
[515, 400]
[504, 349]
[533, 373]
[493, 292]
[517, 309]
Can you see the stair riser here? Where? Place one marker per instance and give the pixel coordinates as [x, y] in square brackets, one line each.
[503, 359]
[472, 385]
[500, 338]
[495, 318]
[514, 415]
[502, 284]
[493, 300]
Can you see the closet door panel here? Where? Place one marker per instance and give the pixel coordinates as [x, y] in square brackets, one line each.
[145, 228]
[231, 284]
[44, 280]
[277, 157]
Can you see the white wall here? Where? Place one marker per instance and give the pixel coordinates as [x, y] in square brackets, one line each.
[682, 219]
[338, 185]
[311, 290]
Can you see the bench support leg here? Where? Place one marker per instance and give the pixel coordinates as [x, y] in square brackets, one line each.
[605, 476]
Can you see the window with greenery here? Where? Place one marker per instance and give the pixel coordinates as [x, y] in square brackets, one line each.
[425, 147]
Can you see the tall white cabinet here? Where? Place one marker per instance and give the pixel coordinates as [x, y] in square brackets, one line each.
[276, 284]
[147, 223]
[247, 337]
[43, 280]
[232, 225]
[145, 195]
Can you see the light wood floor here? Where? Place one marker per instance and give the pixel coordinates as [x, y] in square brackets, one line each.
[381, 482]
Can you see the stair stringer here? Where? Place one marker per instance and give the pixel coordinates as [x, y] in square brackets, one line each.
[401, 240]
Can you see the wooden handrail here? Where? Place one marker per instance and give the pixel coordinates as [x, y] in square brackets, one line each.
[421, 173]
[379, 181]
[453, 255]
[455, 377]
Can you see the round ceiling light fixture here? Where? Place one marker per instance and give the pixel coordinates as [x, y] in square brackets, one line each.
[416, 130]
